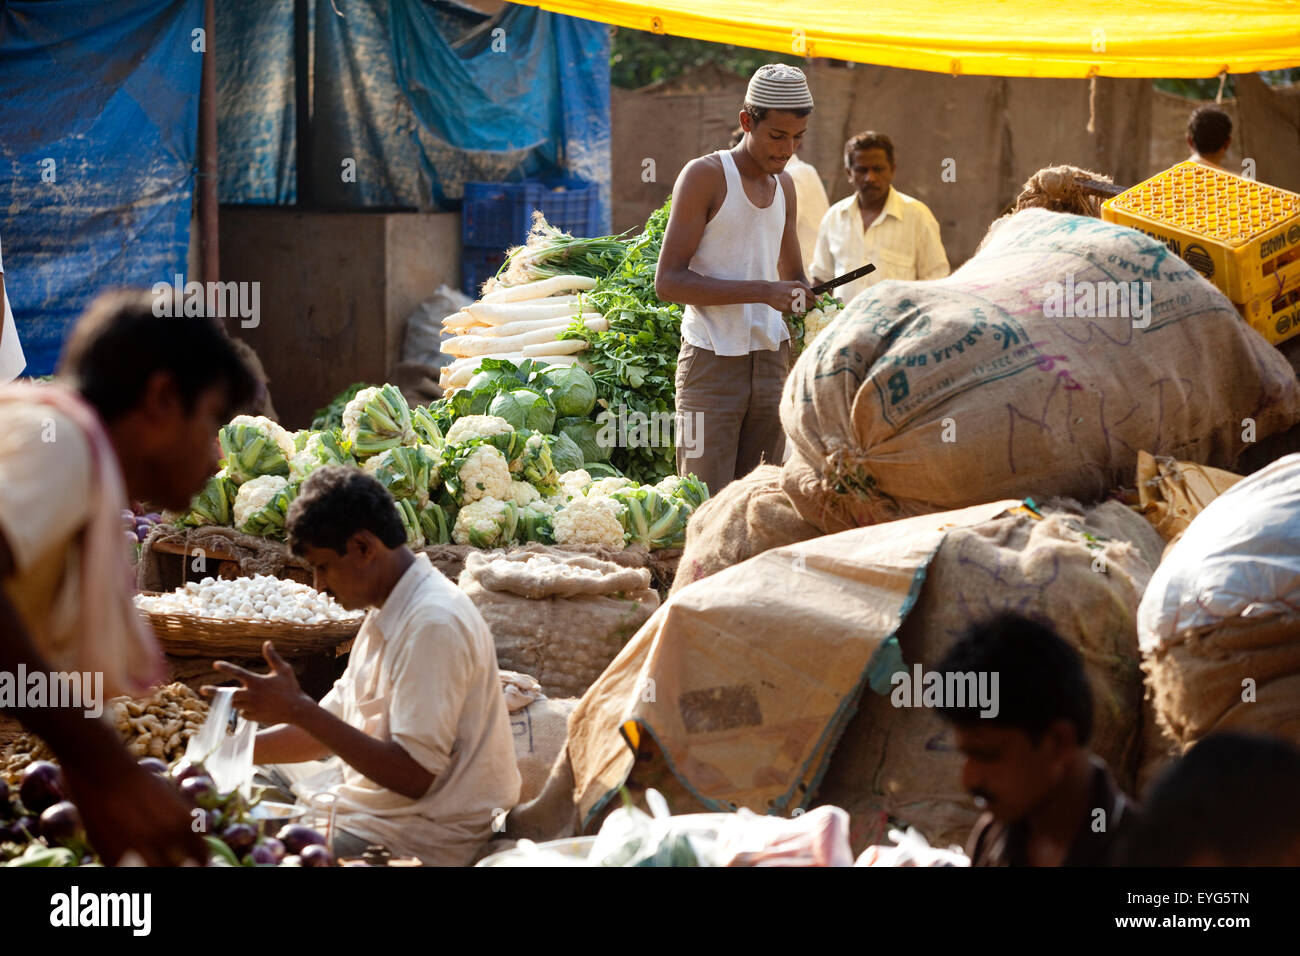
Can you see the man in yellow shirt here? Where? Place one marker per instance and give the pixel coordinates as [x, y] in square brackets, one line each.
[876, 224]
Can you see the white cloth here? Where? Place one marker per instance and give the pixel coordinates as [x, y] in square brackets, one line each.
[741, 242]
[813, 205]
[12, 360]
[423, 673]
[903, 243]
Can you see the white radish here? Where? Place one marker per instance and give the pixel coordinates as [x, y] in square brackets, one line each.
[499, 313]
[532, 325]
[469, 345]
[540, 289]
[558, 347]
[459, 320]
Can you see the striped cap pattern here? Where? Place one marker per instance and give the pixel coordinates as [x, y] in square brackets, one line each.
[779, 87]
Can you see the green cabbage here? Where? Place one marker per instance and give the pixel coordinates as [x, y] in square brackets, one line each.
[524, 409]
[584, 433]
[572, 390]
[565, 453]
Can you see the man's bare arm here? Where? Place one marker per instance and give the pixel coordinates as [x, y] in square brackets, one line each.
[675, 281]
[107, 784]
[285, 743]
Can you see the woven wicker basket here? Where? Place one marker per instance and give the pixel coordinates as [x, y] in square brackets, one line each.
[187, 635]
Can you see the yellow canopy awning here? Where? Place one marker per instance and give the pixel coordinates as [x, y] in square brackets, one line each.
[1060, 38]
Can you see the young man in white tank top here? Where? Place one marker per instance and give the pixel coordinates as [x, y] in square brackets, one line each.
[731, 257]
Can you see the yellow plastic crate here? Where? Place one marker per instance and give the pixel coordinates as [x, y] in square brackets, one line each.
[1242, 235]
[1275, 319]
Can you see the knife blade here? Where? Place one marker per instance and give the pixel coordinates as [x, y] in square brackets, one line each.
[841, 280]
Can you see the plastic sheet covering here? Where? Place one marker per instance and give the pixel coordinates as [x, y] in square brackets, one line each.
[421, 110]
[256, 120]
[985, 37]
[98, 136]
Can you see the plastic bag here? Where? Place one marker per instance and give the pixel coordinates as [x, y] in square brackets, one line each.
[424, 332]
[911, 849]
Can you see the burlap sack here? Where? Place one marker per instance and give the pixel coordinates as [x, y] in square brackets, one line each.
[926, 396]
[1172, 493]
[902, 762]
[540, 731]
[1240, 675]
[749, 516]
[562, 638]
[215, 545]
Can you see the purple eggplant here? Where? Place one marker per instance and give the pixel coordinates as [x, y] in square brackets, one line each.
[41, 786]
[200, 791]
[185, 771]
[316, 855]
[153, 765]
[296, 836]
[275, 847]
[262, 855]
[240, 837]
[25, 829]
[60, 825]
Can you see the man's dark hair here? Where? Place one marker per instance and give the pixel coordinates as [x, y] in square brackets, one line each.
[868, 140]
[334, 503]
[759, 113]
[118, 344]
[1040, 677]
[1233, 795]
[1209, 129]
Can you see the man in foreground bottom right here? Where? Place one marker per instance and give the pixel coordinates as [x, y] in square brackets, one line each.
[1048, 800]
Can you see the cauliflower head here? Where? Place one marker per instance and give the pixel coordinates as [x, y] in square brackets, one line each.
[522, 493]
[574, 483]
[282, 439]
[590, 521]
[485, 523]
[485, 473]
[256, 493]
[607, 486]
[476, 426]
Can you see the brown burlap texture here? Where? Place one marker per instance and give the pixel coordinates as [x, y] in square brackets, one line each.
[902, 762]
[749, 516]
[924, 396]
[559, 636]
[1203, 681]
[1171, 493]
[539, 730]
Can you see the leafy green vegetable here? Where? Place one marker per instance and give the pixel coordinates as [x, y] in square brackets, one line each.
[404, 471]
[652, 520]
[524, 408]
[585, 434]
[211, 506]
[635, 361]
[572, 391]
[565, 454]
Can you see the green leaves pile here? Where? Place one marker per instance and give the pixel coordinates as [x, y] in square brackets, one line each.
[634, 363]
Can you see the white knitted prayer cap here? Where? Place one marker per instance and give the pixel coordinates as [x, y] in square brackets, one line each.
[779, 87]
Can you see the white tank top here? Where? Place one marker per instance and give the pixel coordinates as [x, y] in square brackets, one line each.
[740, 242]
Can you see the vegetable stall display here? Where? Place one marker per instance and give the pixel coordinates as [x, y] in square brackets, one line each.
[513, 456]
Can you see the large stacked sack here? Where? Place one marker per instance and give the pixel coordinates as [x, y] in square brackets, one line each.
[1220, 622]
[925, 396]
[746, 518]
[559, 616]
[1081, 572]
[721, 691]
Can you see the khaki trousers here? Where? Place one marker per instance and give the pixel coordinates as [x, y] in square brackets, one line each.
[728, 412]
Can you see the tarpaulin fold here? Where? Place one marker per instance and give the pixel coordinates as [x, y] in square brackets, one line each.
[1172, 38]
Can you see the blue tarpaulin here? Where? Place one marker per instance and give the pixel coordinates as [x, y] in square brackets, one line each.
[410, 99]
[98, 130]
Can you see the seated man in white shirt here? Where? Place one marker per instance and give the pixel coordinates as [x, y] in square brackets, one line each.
[418, 741]
[876, 224]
